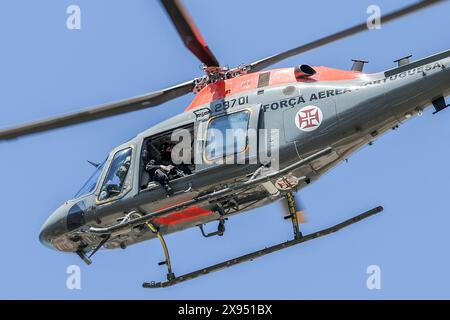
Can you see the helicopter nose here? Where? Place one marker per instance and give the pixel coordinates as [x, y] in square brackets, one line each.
[53, 226]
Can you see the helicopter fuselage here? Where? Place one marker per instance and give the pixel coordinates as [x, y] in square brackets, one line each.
[337, 109]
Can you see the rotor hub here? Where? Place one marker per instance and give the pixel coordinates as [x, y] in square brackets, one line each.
[216, 74]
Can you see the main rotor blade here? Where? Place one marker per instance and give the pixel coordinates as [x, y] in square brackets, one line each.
[137, 103]
[189, 32]
[264, 63]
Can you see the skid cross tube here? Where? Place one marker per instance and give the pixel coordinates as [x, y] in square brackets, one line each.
[260, 253]
[170, 274]
[293, 214]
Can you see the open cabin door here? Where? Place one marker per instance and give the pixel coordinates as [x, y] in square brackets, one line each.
[172, 149]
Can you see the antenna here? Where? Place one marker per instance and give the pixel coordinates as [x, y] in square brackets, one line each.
[358, 64]
[93, 163]
[403, 60]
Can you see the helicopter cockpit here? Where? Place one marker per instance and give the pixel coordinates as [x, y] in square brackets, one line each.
[115, 181]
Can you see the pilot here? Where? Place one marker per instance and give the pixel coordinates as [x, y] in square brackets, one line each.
[123, 170]
[158, 174]
[112, 189]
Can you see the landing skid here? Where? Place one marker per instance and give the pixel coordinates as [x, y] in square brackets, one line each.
[297, 240]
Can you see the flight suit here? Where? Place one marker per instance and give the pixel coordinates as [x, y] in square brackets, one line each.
[158, 175]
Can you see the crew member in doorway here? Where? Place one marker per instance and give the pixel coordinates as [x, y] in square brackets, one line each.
[158, 173]
[166, 158]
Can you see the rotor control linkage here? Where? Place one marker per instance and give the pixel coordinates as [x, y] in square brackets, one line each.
[170, 274]
[293, 214]
[265, 251]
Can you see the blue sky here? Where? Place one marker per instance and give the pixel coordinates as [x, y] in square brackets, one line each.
[129, 48]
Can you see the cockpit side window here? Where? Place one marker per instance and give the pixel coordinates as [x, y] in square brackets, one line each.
[115, 180]
[227, 135]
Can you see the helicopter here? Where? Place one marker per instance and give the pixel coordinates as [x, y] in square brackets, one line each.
[249, 137]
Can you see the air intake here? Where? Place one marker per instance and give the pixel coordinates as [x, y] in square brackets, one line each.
[303, 71]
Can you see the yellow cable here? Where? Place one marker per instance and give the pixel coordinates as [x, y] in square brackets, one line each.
[163, 243]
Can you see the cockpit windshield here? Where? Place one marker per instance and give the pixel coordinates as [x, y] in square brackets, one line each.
[89, 186]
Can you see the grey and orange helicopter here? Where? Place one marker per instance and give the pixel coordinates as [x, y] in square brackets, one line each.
[310, 119]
